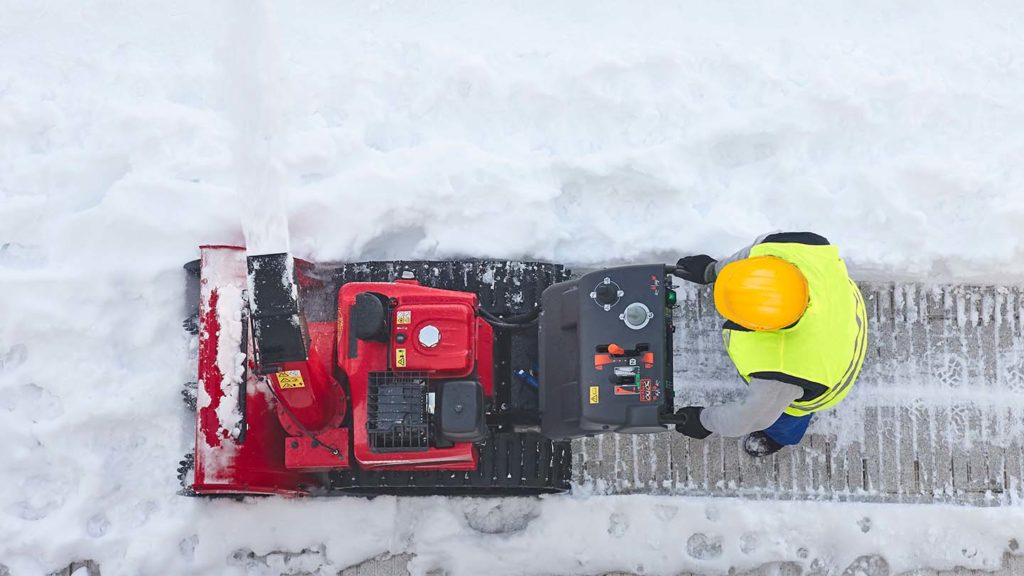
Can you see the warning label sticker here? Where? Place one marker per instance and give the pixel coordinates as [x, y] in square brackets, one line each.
[290, 379]
[400, 358]
[595, 394]
[404, 317]
[650, 390]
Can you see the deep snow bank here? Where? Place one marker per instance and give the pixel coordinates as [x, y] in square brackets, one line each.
[581, 132]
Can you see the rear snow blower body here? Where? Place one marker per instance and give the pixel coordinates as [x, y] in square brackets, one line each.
[417, 377]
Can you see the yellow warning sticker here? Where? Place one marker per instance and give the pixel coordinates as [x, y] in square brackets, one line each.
[400, 358]
[595, 394]
[290, 379]
[404, 317]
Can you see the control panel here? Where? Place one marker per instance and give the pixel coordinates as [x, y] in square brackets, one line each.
[606, 352]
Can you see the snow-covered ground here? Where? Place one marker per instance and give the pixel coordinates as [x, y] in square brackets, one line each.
[578, 131]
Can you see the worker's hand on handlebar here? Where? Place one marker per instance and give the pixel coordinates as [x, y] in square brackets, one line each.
[692, 426]
[695, 268]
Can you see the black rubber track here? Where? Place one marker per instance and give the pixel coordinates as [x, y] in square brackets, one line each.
[511, 464]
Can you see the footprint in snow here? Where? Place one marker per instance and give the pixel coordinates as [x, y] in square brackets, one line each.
[712, 513]
[872, 565]
[41, 495]
[21, 256]
[865, 524]
[665, 513]
[618, 524]
[143, 511]
[13, 357]
[33, 400]
[749, 542]
[704, 546]
[503, 518]
[97, 525]
[187, 547]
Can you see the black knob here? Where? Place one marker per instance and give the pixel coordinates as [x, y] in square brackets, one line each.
[606, 294]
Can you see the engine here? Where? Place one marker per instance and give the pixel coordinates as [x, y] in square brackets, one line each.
[419, 370]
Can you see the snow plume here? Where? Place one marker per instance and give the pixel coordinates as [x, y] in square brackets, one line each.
[255, 99]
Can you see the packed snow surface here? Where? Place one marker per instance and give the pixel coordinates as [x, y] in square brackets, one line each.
[580, 131]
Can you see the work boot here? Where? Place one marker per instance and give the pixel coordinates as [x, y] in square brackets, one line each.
[759, 444]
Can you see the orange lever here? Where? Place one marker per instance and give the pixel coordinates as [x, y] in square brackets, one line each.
[615, 350]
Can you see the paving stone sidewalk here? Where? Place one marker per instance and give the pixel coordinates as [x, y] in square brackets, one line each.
[937, 414]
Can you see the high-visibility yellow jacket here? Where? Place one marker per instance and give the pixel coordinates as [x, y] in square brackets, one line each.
[824, 351]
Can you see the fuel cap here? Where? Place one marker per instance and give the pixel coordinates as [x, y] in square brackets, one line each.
[636, 315]
[429, 336]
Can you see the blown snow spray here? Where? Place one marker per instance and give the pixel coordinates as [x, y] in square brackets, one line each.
[254, 95]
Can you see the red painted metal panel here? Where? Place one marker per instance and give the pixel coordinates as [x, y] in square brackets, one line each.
[311, 394]
[223, 465]
[305, 454]
[269, 461]
[452, 355]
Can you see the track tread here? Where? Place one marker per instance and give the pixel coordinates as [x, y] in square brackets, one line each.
[510, 464]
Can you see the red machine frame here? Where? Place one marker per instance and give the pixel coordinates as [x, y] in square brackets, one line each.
[280, 434]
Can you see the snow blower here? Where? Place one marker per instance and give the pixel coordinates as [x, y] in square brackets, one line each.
[417, 377]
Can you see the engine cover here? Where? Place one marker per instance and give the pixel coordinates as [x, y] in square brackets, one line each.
[437, 337]
[397, 352]
[460, 411]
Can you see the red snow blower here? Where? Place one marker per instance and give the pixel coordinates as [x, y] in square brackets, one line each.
[416, 377]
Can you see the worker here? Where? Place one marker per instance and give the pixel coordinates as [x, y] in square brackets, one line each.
[796, 329]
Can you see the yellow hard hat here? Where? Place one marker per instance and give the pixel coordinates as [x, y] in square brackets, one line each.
[762, 293]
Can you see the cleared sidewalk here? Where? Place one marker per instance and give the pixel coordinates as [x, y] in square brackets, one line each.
[937, 414]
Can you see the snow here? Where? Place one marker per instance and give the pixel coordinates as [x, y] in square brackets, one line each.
[584, 132]
[641, 534]
[229, 360]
